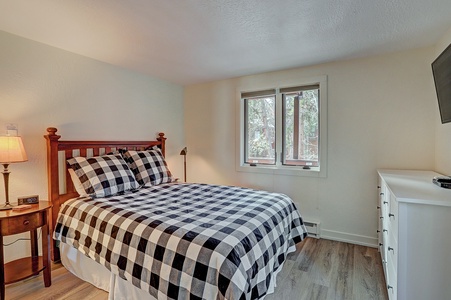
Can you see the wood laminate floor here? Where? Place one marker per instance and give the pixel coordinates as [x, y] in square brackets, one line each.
[320, 269]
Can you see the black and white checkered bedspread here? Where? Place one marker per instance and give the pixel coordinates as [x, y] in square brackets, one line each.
[186, 241]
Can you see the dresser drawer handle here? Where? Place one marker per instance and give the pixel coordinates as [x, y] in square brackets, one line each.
[391, 249]
[385, 202]
[26, 222]
[391, 215]
[389, 287]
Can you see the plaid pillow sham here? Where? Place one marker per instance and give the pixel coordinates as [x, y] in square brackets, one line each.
[103, 176]
[148, 166]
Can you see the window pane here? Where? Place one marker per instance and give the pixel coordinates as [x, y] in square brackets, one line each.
[301, 128]
[260, 130]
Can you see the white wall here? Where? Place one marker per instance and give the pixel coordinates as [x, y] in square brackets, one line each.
[443, 131]
[42, 86]
[382, 114]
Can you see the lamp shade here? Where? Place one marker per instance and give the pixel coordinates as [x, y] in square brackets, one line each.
[184, 151]
[12, 150]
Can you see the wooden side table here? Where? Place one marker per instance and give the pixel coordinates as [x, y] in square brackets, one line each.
[14, 222]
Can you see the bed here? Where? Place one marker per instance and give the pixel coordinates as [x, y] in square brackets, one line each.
[160, 239]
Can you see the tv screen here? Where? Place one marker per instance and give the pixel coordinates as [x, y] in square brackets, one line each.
[441, 69]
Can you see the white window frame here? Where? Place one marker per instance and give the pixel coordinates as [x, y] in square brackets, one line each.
[279, 168]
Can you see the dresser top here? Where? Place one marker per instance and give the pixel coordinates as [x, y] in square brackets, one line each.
[415, 187]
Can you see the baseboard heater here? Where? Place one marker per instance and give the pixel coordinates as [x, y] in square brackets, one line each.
[313, 228]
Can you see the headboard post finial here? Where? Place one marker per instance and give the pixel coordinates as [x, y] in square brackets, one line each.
[51, 130]
[161, 136]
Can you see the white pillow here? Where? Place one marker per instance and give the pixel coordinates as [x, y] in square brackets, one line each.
[77, 183]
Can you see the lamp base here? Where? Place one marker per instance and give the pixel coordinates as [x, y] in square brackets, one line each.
[6, 207]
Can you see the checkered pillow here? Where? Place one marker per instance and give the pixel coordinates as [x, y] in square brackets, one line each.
[148, 166]
[103, 175]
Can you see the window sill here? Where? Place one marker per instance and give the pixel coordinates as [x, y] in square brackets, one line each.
[283, 170]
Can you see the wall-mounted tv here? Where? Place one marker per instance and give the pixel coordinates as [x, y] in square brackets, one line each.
[441, 68]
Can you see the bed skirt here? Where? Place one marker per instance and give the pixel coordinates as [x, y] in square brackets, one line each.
[118, 289]
[90, 271]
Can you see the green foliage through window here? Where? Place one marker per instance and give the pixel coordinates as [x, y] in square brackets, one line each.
[301, 127]
[260, 129]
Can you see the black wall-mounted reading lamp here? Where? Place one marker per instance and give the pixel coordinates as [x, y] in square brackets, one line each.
[183, 152]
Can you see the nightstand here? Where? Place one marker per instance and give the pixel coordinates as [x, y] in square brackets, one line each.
[14, 222]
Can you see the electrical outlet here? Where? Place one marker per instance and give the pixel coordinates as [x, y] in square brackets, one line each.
[12, 129]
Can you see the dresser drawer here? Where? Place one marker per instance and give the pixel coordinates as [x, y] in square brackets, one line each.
[392, 281]
[385, 208]
[393, 216]
[392, 251]
[385, 201]
[22, 223]
[393, 205]
[383, 247]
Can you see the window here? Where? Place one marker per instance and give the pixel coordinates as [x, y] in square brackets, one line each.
[260, 130]
[283, 130]
[300, 126]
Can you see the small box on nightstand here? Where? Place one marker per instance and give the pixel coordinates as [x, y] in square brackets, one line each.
[33, 199]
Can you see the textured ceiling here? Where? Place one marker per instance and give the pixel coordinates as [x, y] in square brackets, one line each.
[193, 41]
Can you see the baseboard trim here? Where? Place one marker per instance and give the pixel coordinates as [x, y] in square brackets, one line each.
[349, 238]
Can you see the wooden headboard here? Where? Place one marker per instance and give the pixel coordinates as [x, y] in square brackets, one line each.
[59, 151]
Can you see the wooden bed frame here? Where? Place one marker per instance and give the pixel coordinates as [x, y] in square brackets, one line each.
[57, 171]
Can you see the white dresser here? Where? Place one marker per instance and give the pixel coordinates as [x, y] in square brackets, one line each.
[414, 235]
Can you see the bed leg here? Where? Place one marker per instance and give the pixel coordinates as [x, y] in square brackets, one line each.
[55, 252]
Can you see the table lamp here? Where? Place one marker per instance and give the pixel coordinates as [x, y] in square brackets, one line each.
[11, 151]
